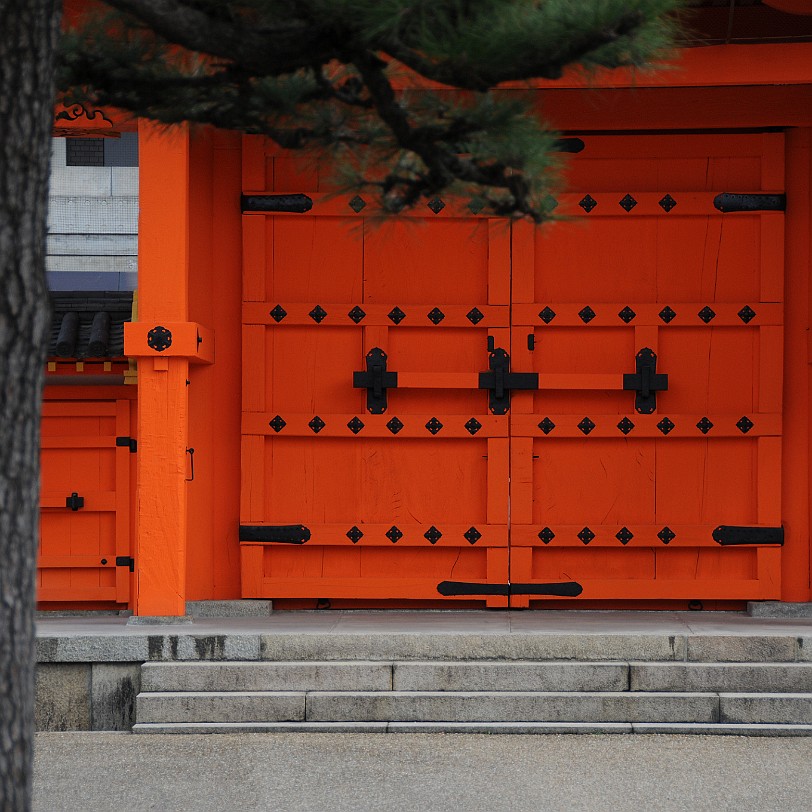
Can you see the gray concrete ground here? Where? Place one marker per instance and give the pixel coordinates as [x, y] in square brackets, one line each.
[358, 772]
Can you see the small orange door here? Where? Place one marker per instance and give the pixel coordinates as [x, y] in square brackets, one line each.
[85, 502]
[450, 407]
[679, 499]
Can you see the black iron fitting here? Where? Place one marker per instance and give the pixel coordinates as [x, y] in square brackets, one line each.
[275, 534]
[730, 202]
[501, 381]
[564, 589]
[646, 381]
[732, 535]
[74, 501]
[296, 204]
[376, 380]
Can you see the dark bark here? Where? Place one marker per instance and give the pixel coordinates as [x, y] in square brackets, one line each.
[28, 38]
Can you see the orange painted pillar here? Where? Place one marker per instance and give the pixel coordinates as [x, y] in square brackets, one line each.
[163, 412]
[797, 370]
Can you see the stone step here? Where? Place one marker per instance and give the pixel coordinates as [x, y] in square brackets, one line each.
[477, 727]
[233, 706]
[266, 676]
[722, 677]
[477, 676]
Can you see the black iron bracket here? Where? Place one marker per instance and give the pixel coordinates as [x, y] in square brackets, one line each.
[275, 534]
[500, 381]
[376, 380]
[729, 202]
[646, 381]
[127, 442]
[74, 501]
[297, 204]
[126, 561]
[729, 535]
[564, 589]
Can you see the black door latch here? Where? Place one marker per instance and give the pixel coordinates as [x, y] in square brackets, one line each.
[646, 381]
[376, 380]
[501, 381]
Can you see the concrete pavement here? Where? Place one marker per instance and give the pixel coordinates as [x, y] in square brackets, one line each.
[359, 772]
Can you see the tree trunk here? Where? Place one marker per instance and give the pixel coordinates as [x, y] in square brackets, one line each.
[28, 38]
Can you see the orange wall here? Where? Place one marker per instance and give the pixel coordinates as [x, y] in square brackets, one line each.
[215, 268]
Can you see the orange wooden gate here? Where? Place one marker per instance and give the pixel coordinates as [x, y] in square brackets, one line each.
[452, 407]
[85, 497]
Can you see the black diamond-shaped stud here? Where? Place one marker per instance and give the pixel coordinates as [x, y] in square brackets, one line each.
[476, 205]
[666, 535]
[354, 534]
[546, 425]
[587, 203]
[436, 205]
[436, 315]
[667, 314]
[278, 313]
[625, 425]
[547, 315]
[277, 424]
[474, 315]
[317, 424]
[394, 425]
[586, 425]
[624, 535]
[667, 203]
[744, 424]
[473, 426]
[706, 314]
[317, 314]
[433, 535]
[586, 314]
[627, 202]
[472, 535]
[434, 425]
[627, 314]
[747, 314]
[704, 425]
[394, 534]
[357, 203]
[666, 425]
[396, 315]
[356, 314]
[355, 425]
[546, 535]
[586, 535]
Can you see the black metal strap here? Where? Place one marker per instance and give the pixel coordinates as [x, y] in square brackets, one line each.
[501, 381]
[565, 589]
[277, 534]
[376, 380]
[646, 381]
[729, 202]
[297, 204]
[729, 535]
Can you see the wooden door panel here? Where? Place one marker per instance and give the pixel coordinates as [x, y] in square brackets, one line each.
[623, 503]
[78, 549]
[399, 499]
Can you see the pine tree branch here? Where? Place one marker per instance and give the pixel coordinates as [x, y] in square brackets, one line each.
[264, 50]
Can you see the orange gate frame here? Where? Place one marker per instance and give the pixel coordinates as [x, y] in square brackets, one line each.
[170, 216]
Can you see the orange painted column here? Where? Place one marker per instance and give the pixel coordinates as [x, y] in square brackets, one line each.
[797, 370]
[163, 410]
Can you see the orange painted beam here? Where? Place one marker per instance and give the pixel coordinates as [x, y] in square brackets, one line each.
[163, 411]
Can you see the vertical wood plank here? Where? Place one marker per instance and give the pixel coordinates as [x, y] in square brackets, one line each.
[254, 371]
[498, 262]
[253, 165]
[521, 480]
[122, 542]
[498, 477]
[252, 478]
[769, 480]
[251, 560]
[521, 572]
[523, 262]
[497, 573]
[770, 369]
[257, 255]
